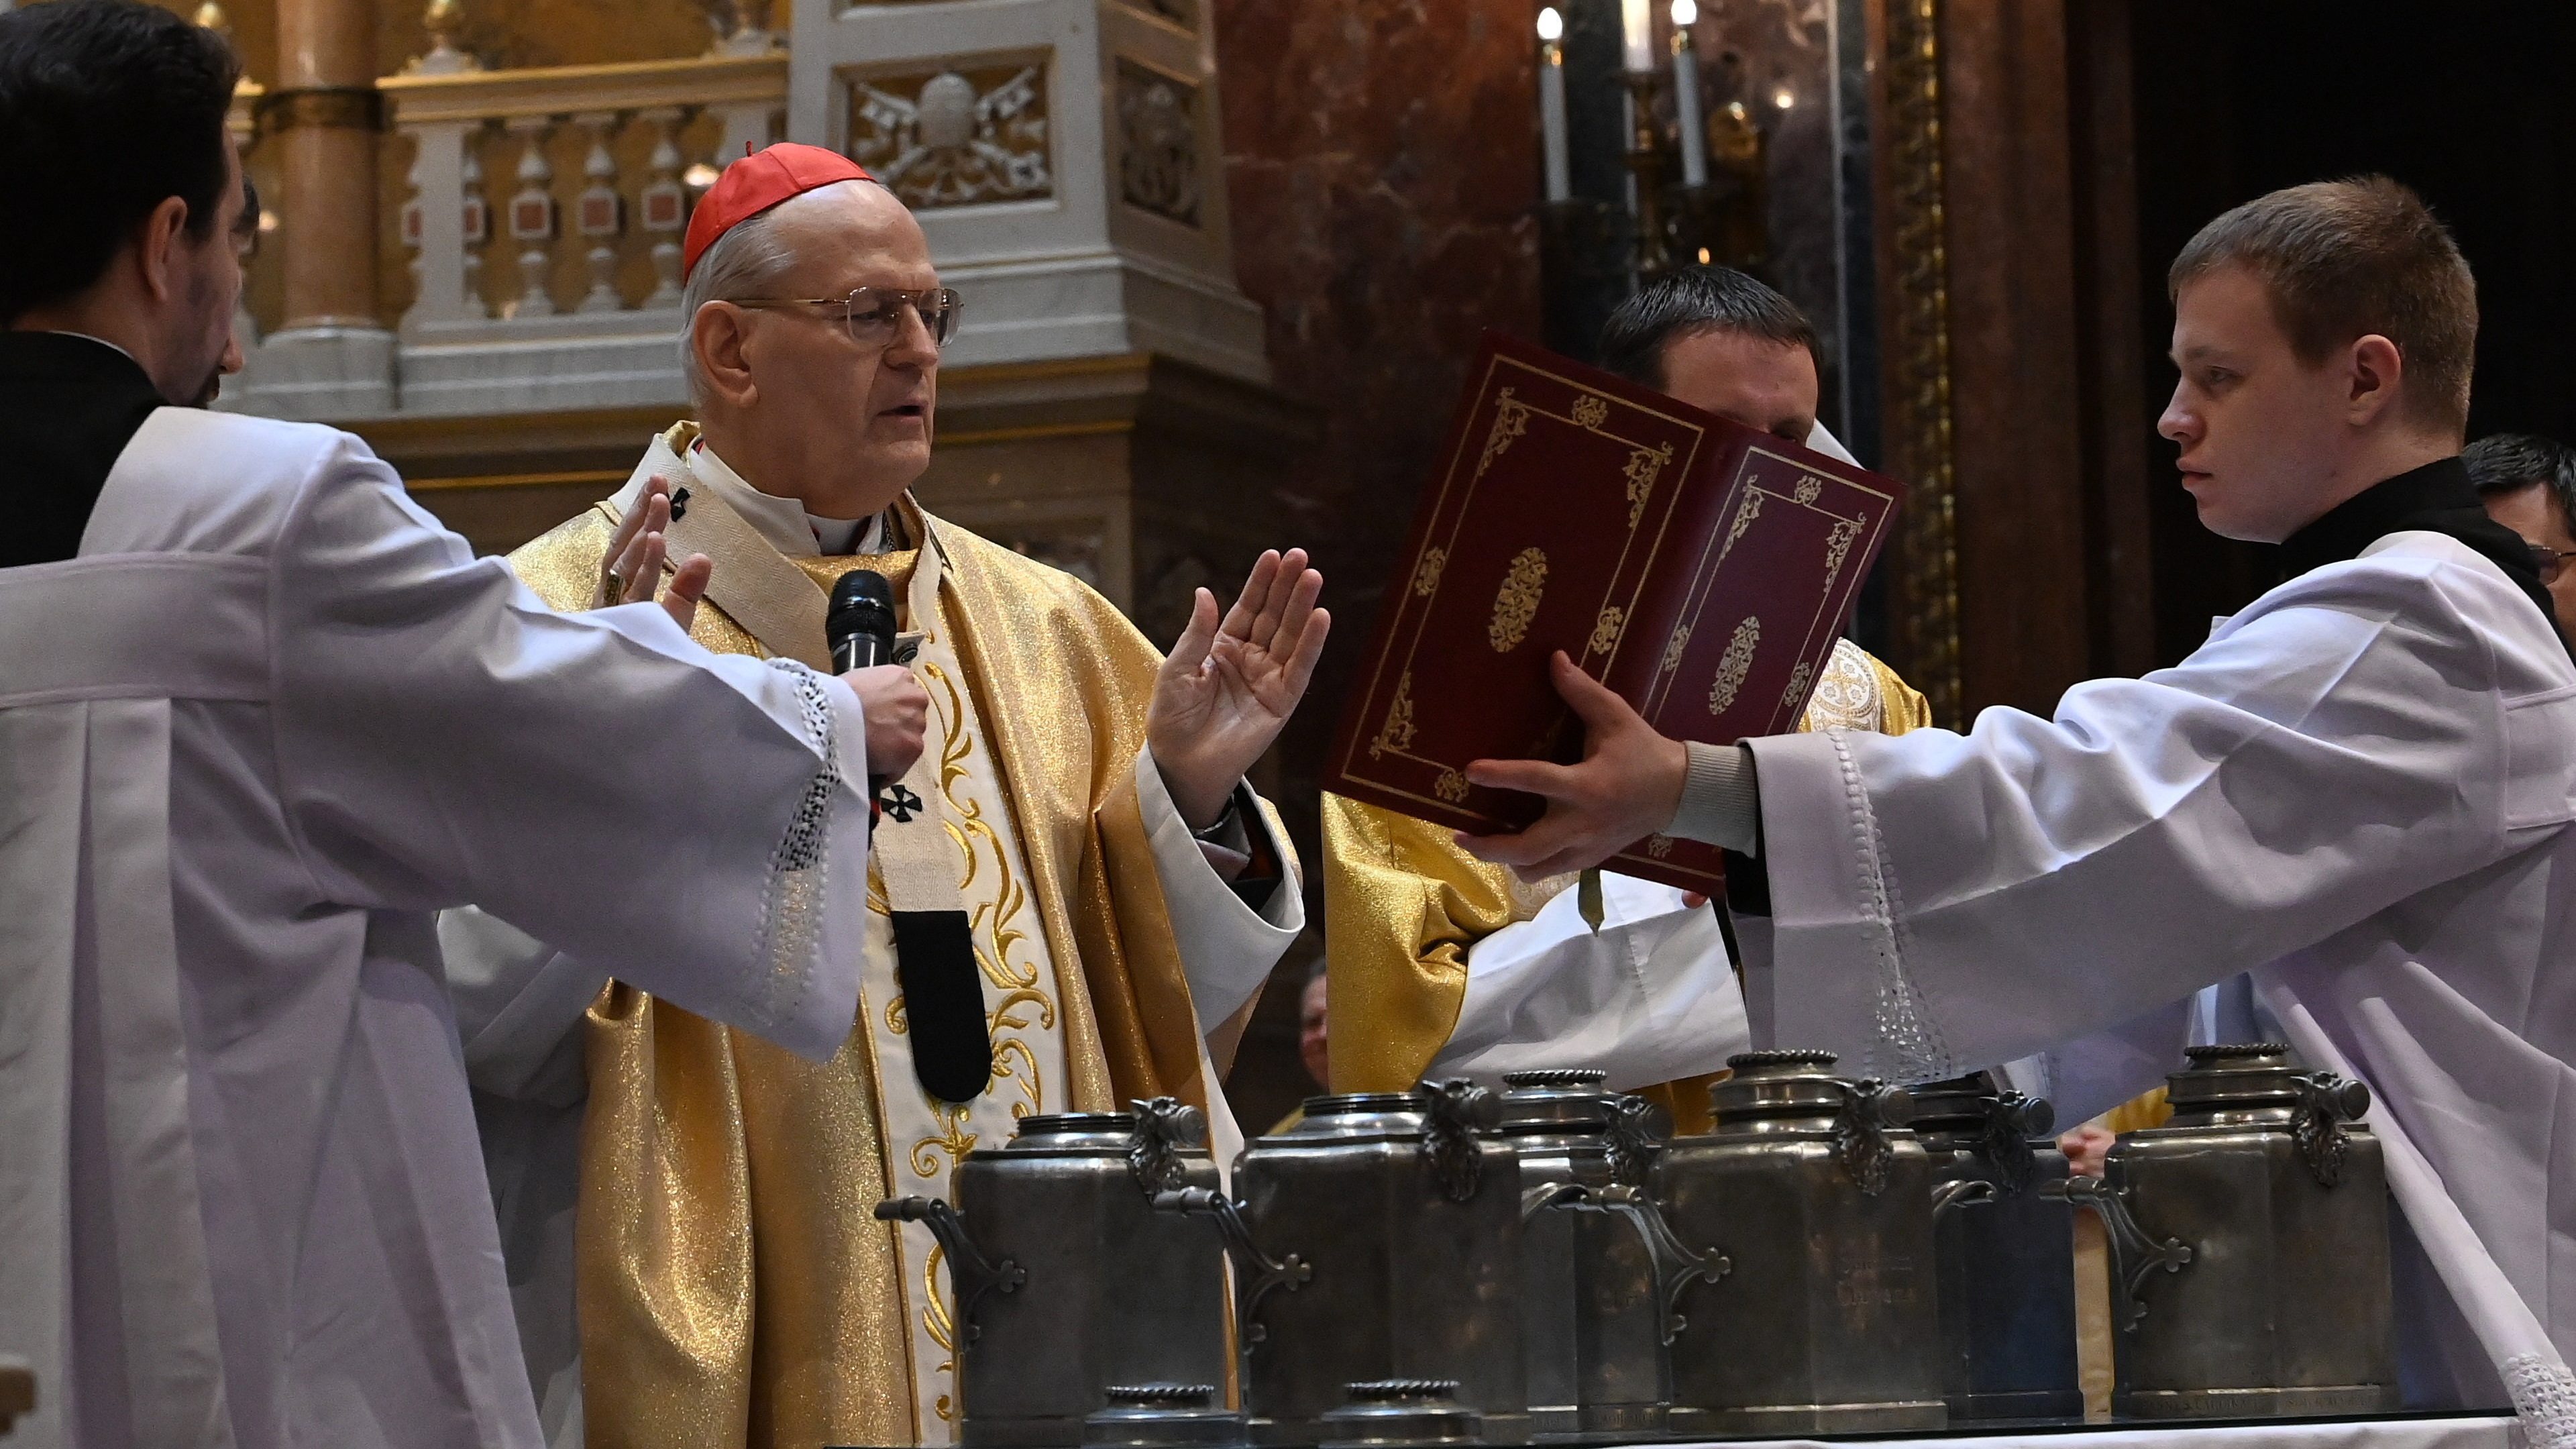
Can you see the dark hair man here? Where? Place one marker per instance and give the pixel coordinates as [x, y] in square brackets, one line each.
[259, 717]
[2528, 484]
[1442, 964]
[2358, 790]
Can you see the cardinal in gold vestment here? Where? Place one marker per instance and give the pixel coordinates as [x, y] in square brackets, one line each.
[1078, 800]
[1441, 963]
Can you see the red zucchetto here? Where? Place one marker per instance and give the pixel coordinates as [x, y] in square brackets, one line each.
[756, 183]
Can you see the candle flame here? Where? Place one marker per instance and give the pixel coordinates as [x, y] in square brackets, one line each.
[1551, 26]
[1685, 12]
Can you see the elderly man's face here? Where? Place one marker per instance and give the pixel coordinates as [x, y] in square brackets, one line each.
[2533, 513]
[858, 415]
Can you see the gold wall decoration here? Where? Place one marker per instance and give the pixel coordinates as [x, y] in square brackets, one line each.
[1158, 143]
[1516, 602]
[958, 136]
[1734, 664]
[1605, 630]
[1926, 616]
[1426, 579]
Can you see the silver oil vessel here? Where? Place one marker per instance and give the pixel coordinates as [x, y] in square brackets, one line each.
[1822, 1202]
[1377, 1240]
[2249, 1240]
[1599, 1264]
[1066, 1279]
[2004, 1237]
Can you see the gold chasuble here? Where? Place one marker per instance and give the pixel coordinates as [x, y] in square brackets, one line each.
[734, 1287]
[1403, 905]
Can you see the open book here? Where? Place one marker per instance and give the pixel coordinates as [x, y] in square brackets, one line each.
[1699, 568]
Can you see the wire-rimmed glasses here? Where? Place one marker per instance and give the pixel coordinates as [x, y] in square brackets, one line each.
[874, 314]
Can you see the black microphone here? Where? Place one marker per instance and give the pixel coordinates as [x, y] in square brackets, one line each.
[860, 621]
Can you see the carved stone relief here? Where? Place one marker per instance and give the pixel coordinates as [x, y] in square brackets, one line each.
[1158, 143]
[957, 136]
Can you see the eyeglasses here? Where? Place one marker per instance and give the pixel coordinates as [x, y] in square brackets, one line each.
[2549, 561]
[875, 314]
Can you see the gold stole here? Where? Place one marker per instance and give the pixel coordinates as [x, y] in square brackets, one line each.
[733, 1286]
[1403, 906]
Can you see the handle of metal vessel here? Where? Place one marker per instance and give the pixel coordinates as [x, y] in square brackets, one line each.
[1165, 1127]
[1870, 1107]
[2012, 1119]
[970, 1274]
[1268, 1274]
[1459, 1111]
[1676, 1266]
[2326, 1103]
[2135, 1256]
[1634, 1132]
[1963, 1192]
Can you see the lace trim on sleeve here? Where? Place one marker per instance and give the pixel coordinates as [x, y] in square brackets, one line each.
[1907, 1045]
[791, 914]
[2544, 1399]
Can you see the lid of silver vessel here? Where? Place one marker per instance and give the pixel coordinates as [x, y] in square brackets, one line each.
[1560, 1108]
[1163, 1416]
[1795, 1089]
[2257, 1082]
[1401, 1414]
[1960, 1111]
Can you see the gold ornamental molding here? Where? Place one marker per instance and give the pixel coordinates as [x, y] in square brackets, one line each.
[342, 108]
[1919, 418]
[555, 90]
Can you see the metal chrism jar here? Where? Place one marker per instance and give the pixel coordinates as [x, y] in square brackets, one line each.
[2249, 1241]
[2004, 1235]
[1822, 1202]
[1599, 1265]
[1067, 1281]
[1377, 1240]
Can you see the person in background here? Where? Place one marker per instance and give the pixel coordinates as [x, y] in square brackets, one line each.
[2528, 484]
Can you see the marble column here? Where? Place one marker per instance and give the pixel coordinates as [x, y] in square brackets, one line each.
[333, 356]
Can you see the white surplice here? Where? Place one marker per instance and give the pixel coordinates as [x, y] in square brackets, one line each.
[271, 719]
[521, 1003]
[2358, 790]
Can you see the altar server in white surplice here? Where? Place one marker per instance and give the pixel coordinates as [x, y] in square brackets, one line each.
[259, 717]
[2358, 790]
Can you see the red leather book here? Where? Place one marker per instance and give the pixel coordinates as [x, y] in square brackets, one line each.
[1699, 568]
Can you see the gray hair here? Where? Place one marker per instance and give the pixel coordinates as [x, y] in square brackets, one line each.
[746, 262]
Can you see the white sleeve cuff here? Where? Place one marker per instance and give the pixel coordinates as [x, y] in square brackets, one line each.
[1227, 947]
[1719, 805]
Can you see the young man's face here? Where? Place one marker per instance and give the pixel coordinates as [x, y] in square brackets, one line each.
[2260, 430]
[1765, 385]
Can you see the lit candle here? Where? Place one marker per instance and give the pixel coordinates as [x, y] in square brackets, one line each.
[1551, 102]
[1686, 95]
[1637, 35]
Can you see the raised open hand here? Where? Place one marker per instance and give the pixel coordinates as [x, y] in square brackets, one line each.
[1228, 688]
[637, 552]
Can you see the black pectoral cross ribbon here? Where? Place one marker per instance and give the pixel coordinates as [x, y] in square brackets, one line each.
[943, 1004]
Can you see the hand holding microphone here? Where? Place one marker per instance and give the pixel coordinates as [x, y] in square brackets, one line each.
[860, 627]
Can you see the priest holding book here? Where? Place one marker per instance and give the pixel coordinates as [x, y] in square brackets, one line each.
[2359, 790]
[1442, 964]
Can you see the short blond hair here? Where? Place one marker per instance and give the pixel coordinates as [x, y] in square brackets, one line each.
[2344, 259]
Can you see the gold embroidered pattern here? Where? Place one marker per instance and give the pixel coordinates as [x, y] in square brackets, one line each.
[1451, 786]
[1644, 466]
[1426, 579]
[1396, 732]
[1846, 694]
[1511, 419]
[1734, 664]
[1673, 650]
[1809, 488]
[941, 1328]
[1591, 410]
[1605, 630]
[1516, 602]
[1745, 513]
[1838, 546]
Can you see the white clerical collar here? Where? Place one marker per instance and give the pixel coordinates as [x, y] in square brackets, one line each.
[783, 521]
